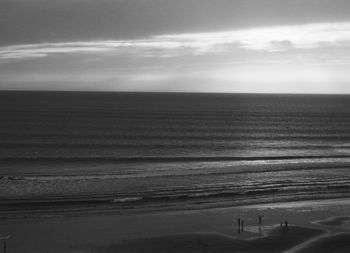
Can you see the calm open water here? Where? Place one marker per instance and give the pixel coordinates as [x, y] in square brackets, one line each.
[132, 151]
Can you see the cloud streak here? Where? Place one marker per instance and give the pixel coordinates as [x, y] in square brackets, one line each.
[266, 39]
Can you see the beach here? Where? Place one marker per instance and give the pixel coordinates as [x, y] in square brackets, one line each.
[311, 225]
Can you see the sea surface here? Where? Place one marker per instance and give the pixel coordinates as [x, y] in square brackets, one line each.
[75, 152]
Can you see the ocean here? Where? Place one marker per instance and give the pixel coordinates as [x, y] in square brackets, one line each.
[82, 152]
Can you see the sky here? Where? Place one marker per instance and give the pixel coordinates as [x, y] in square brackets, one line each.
[249, 46]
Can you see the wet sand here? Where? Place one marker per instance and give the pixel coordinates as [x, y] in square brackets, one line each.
[311, 225]
[276, 241]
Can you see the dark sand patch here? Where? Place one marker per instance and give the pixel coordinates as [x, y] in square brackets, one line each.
[332, 244]
[276, 241]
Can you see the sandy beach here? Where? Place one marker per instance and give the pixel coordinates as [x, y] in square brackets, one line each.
[312, 225]
[276, 241]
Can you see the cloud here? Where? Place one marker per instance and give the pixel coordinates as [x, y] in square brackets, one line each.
[266, 39]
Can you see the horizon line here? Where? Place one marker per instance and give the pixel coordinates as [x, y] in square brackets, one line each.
[175, 92]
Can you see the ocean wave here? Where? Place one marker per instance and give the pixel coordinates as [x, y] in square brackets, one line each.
[127, 199]
[179, 196]
[48, 178]
[174, 173]
[205, 196]
[154, 159]
[10, 178]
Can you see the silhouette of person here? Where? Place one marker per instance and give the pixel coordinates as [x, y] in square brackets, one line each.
[286, 222]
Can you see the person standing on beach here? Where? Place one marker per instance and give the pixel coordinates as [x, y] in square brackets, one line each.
[260, 219]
